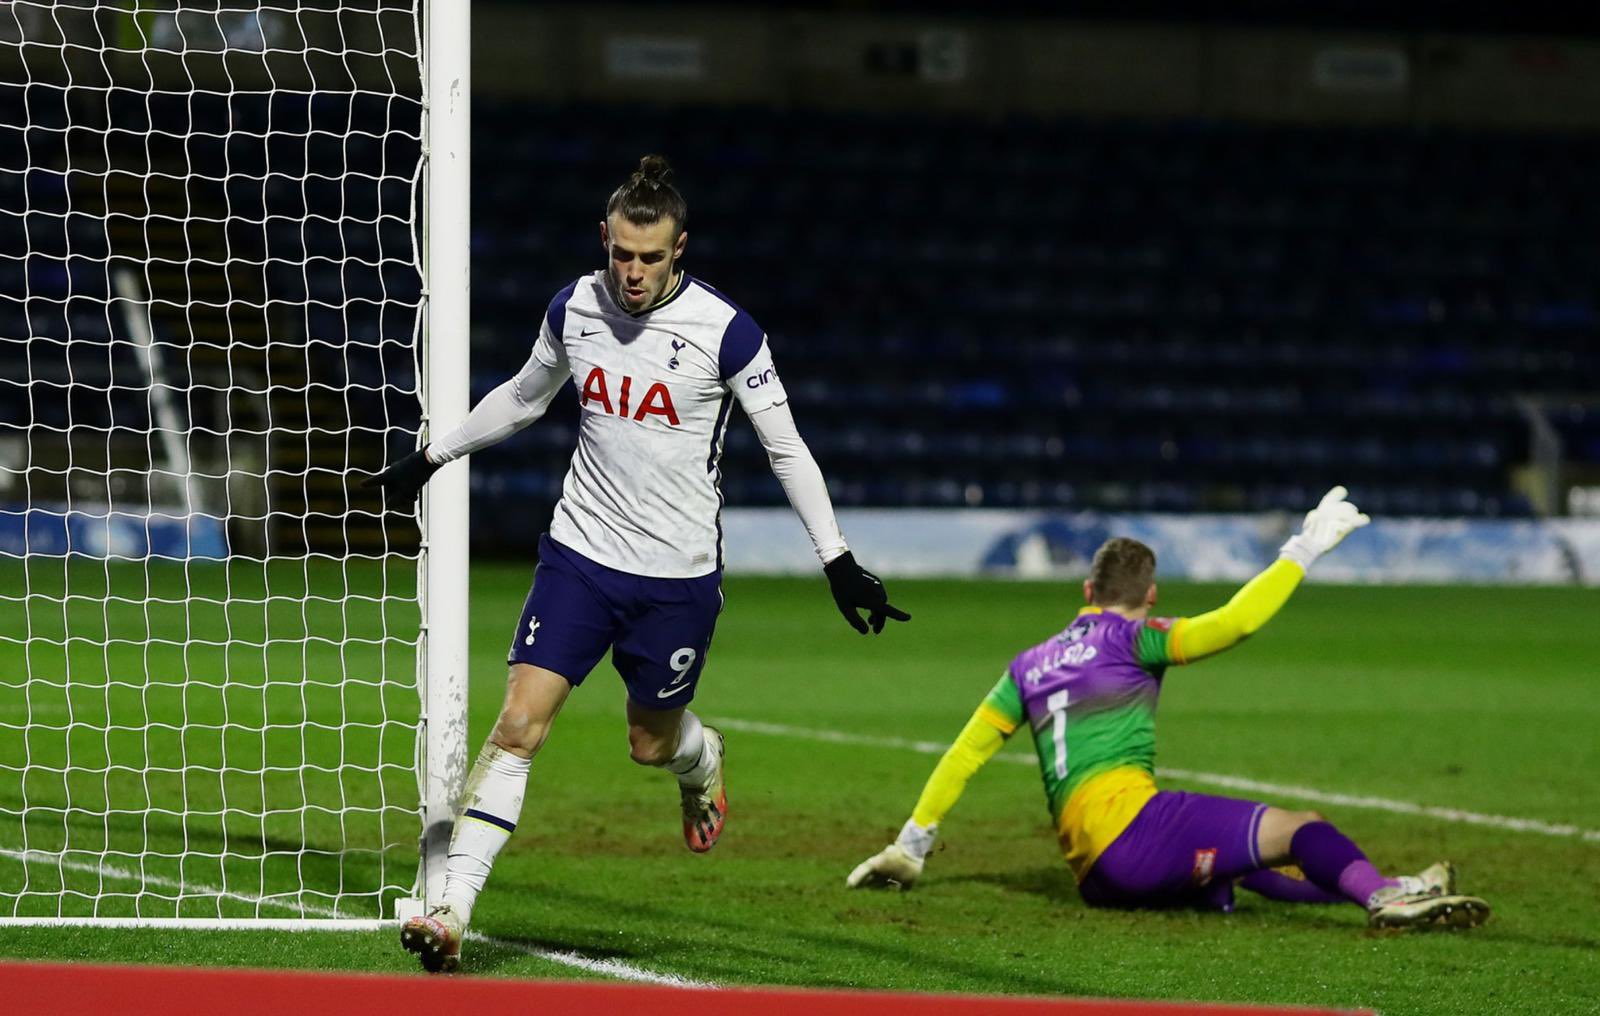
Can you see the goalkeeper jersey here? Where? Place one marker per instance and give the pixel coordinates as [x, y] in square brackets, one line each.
[1088, 695]
[656, 390]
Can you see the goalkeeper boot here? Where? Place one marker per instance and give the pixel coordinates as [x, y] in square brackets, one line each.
[1438, 878]
[705, 808]
[1394, 909]
[436, 939]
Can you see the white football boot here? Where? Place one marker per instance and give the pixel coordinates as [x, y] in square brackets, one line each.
[1438, 878]
[706, 809]
[1396, 909]
[436, 939]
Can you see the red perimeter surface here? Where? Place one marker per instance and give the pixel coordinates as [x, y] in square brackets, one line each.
[47, 989]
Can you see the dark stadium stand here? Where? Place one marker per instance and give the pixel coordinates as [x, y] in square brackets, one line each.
[1179, 316]
[1189, 316]
[281, 288]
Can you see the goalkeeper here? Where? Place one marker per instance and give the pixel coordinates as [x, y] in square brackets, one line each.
[1088, 695]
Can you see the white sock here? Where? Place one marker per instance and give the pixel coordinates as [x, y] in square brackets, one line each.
[692, 763]
[490, 807]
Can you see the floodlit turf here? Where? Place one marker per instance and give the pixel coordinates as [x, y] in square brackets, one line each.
[220, 725]
[1476, 699]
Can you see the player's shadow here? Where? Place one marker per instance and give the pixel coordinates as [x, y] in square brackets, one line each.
[1580, 943]
[1337, 917]
[1051, 881]
[322, 869]
[1055, 883]
[820, 943]
[501, 949]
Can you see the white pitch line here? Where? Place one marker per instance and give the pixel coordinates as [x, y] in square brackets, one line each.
[1510, 822]
[613, 968]
[1521, 825]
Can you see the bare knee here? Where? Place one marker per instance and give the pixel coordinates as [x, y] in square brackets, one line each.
[533, 698]
[1276, 832]
[1295, 819]
[519, 730]
[648, 748]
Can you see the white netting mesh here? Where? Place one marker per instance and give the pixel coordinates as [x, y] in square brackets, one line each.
[209, 310]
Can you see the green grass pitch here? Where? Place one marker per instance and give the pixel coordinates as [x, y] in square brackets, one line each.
[1476, 699]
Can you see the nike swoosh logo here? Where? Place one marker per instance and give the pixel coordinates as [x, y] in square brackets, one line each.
[663, 693]
[585, 335]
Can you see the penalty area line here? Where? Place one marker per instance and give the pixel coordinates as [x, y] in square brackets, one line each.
[1222, 780]
[578, 961]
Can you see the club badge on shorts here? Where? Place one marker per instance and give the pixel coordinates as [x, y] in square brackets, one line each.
[1205, 862]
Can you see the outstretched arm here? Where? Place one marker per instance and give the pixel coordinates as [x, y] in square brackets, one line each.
[1195, 638]
[801, 478]
[900, 863]
[510, 407]
[763, 399]
[984, 734]
[497, 416]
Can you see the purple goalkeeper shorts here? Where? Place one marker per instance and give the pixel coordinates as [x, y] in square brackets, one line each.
[1183, 850]
[658, 630]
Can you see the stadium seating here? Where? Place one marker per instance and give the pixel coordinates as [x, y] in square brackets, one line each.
[280, 284]
[1180, 316]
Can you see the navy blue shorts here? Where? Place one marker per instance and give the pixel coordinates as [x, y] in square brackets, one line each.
[658, 630]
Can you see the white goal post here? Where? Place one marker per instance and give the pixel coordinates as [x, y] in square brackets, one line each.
[233, 284]
[446, 389]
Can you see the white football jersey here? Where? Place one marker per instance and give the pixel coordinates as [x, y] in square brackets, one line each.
[643, 493]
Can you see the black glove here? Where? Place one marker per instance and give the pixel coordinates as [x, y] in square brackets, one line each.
[854, 587]
[404, 480]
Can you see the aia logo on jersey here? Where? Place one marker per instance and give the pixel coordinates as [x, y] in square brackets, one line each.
[657, 399]
[1159, 623]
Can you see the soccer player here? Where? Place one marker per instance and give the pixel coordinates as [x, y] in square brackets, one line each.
[632, 562]
[1088, 696]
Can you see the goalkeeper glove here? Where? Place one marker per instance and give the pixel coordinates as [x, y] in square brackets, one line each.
[899, 864]
[404, 480]
[1330, 521]
[854, 587]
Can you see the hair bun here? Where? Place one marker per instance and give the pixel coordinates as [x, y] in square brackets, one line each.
[649, 196]
[654, 169]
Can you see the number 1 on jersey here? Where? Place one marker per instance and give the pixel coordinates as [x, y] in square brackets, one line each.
[1057, 704]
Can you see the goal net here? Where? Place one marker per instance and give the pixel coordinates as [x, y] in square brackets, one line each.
[212, 322]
